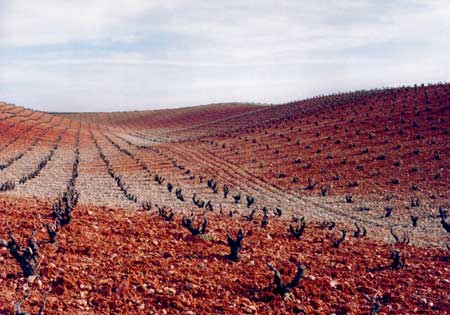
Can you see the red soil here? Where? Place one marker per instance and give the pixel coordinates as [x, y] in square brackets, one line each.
[115, 258]
[111, 261]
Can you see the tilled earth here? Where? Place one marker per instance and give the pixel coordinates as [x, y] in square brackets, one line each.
[375, 159]
[114, 261]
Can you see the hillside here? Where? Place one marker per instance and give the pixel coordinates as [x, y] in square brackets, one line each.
[373, 160]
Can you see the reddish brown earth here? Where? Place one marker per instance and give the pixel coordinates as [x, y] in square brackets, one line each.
[128, 262]
[386, 148]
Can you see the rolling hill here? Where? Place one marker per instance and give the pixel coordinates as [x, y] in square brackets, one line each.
[366, 173]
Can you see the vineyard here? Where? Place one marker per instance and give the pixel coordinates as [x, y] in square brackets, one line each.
[336, 204]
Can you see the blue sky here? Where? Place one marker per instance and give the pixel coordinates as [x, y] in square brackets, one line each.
[103, 55]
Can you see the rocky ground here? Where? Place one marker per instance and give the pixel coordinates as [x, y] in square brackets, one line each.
[114, 261]
[374, 160]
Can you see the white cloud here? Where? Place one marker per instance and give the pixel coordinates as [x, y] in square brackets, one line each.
[138, 53]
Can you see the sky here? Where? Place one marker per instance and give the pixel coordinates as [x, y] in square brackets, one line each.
[103, 55]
